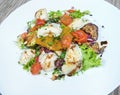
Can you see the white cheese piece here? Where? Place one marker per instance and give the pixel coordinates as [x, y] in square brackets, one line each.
[68, 68]
[26, 56]
[78, 23]
[73, 54]
[73, 59]
[42, 14]
[52, 29]
[47, 61]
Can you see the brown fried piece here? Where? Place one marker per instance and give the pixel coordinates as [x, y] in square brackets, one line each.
[102, 49]
[92, 30]
[103, 42]
[95, 47]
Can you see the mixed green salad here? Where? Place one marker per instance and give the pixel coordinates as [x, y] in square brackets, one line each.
[62, 43]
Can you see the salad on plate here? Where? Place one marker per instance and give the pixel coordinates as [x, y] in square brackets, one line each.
[62, 43]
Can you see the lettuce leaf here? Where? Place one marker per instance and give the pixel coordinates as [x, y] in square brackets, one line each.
[90, 58]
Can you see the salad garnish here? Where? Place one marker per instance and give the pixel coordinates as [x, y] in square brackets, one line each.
[62, 43]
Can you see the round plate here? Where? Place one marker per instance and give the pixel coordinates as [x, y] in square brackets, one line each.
[97, 81]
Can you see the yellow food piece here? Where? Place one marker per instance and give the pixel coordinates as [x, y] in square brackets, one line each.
[66, 32]
[51, 43]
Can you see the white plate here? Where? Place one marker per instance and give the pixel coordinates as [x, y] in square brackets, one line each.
[98, 81]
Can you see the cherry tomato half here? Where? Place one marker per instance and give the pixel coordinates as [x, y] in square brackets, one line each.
[40, 22]
[66, 19]
[66, 41]
[80, 36]
[35, 68]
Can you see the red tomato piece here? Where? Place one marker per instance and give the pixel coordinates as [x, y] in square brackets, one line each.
[37, 59]
[36, 68]
[66, 41]
[23, 35]
[80, 36]
[40, 22]
[66, 19]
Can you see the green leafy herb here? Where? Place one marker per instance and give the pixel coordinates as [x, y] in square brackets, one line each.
[62, 26]
[90, 58]
[20, 42]
[78, 14]
[86, 12]
[42, 38]
[55, 14]
[53, 20]
[28, 64]
[30, 23]
[37, 51]
[50, 43]
[56, 38]
[62, 76]
[63, 54]
[56, 71]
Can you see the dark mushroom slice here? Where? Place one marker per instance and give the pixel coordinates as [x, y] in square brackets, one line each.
[92, 30]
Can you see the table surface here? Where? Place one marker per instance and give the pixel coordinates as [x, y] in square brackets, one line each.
[7, 6]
